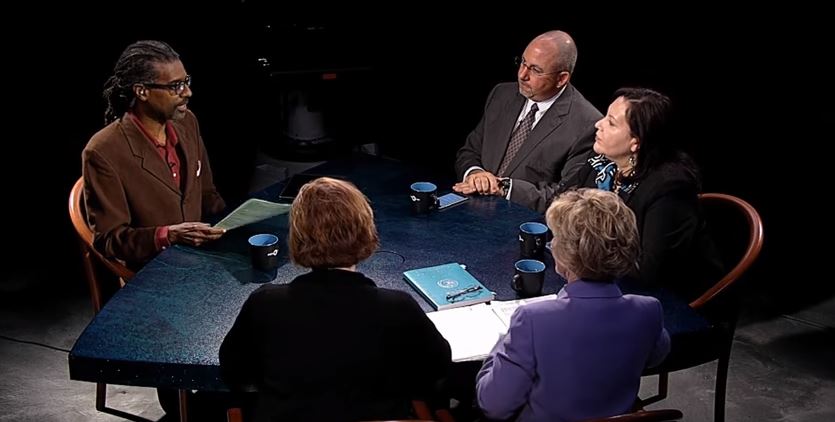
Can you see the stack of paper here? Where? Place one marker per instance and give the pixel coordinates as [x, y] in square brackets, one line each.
[472, 331]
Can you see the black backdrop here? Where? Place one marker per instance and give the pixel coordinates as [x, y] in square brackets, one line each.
[742, 86]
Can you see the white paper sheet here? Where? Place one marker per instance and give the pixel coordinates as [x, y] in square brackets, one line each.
[472, 331]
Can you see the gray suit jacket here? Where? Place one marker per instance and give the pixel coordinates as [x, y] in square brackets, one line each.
[556, 148]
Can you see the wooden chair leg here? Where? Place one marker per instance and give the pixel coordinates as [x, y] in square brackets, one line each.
[421, 409]
[183, 405]
[92, 279]
[443, 415]
[101, 396]
[234, 415]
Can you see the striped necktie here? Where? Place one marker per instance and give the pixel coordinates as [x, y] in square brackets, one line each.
[517, 138]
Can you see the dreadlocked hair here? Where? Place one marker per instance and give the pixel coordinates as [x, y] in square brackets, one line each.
[135, 66]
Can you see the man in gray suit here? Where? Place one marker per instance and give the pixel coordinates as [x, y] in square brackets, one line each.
[533, 133]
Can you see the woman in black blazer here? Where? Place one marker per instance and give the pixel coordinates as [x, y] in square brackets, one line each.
[331, 345]
[634, 156]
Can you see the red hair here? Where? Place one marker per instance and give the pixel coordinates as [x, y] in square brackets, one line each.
[331, 225]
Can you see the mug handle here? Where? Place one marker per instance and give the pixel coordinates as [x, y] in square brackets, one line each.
[514, 284]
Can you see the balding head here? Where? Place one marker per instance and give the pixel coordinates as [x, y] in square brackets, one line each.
[546, 65]
[563, 44]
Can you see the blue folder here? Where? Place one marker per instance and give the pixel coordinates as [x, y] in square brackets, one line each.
[448, 286]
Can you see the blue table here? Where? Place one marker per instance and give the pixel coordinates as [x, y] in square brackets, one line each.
[165, 327]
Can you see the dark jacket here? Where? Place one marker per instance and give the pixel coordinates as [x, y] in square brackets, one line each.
[677, 250]
[333, 346]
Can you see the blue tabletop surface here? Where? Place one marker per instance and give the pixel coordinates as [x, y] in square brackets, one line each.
[165, 327]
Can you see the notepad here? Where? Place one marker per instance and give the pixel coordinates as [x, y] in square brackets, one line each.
[472, 331]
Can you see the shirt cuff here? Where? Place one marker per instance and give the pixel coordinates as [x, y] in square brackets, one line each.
[161, 238]
[509, 188]
[470, 170]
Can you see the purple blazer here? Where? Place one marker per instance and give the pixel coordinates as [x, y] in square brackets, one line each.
[577, 357]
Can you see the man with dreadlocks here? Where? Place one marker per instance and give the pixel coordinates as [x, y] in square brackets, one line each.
[147, 177]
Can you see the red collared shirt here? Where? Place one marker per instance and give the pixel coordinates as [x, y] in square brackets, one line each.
[168, 153]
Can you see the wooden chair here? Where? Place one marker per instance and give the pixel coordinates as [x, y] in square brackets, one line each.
[92, 261]
[644, 416]
[727, 216]
[234, 415]
[422, 411]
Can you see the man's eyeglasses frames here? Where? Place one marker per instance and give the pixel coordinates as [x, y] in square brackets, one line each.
[175, 87]
[536, 70]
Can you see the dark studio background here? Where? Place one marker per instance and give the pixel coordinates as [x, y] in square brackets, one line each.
[740, 82]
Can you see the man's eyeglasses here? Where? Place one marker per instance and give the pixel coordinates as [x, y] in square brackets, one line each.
[175, 87]
[453, 297]
[536, 70]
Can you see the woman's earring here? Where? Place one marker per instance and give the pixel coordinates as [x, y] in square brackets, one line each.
[632, 160]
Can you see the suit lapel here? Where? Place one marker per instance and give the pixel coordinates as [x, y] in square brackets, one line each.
[552, 119]
[188, 155]
[148, 157]
[503, 130]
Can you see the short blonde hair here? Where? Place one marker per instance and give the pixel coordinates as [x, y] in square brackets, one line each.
[595, 234]
[331, 225]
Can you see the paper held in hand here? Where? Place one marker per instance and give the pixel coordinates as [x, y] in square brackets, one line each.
[472, 331]
[252, 211]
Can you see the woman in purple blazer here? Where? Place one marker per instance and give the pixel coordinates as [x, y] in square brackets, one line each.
[581, 355]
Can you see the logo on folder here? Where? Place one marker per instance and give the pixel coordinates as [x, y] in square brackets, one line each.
[448, 283]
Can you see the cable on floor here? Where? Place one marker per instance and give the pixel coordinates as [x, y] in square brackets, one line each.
[34, 343]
